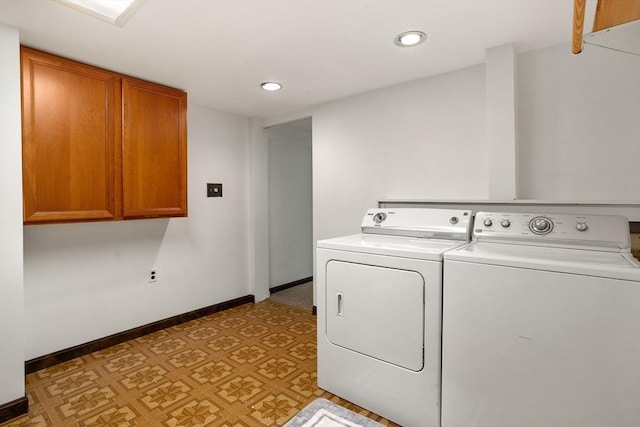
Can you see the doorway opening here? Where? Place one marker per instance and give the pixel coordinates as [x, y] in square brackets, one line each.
[290, 213]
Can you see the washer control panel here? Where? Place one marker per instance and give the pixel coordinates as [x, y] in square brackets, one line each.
[581, 230]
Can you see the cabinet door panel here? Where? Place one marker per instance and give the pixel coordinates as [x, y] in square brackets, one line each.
[70, 113]
[154, 152]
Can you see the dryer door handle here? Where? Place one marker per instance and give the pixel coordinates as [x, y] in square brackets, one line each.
[340, 304]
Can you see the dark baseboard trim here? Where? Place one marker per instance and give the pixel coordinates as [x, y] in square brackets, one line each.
[102, 343]
[314, 310]
[14, 409]
[290, 285]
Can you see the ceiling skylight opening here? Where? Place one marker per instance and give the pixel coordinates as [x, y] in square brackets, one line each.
[116, 12]
[410, 38]
[271, 86]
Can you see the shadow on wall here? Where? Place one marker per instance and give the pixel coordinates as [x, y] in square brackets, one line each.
[95, 252]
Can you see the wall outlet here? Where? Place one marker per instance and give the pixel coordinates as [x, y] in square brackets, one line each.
[153, 275]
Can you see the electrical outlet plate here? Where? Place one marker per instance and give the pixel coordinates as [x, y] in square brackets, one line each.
[214, 190]
[153, 275]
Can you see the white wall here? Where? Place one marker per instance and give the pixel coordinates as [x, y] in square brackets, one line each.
[11, 269]
[424, 139]
[89, 280]
[579, 124]
[290, 205]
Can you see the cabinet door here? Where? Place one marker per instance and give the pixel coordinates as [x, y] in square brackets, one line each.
[70, 115]
[154, 151]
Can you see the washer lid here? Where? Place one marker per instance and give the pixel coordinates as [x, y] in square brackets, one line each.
[615, 265]
[398, 246]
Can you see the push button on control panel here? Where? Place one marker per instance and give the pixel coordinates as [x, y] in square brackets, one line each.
[487, 222]
[505, 223]
[582, 226]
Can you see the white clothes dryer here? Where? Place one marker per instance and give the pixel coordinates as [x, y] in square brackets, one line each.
[379, 299]
[541, 324]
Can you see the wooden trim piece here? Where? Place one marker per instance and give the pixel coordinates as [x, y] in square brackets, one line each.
[102, 343]
[290, 285]
[610, 13]
[14, 409]
[578, 25]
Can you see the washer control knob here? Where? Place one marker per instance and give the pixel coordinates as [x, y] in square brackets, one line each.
[488, 223]
[582, 226]
[541, 225]
[379, 217]
[505, 223]
[454, 220]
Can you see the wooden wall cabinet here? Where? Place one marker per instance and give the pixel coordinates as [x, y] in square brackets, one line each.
[70, 121]
[154, 150]
[98, 145]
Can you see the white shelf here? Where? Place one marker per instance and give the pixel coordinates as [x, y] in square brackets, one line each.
[629, 209]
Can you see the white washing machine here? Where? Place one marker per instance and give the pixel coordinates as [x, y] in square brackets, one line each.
[541, 324]
[379, 299]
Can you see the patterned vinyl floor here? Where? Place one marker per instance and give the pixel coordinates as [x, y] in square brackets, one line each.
[253, 365]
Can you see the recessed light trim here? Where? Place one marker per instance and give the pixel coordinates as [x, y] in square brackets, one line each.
[271, 86]
[410, 38]
[116, 12]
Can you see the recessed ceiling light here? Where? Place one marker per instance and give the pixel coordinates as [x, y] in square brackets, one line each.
[410, 38]
[115, 12]
[271, 86]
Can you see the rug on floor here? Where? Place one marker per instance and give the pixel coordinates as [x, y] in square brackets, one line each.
[323, 413]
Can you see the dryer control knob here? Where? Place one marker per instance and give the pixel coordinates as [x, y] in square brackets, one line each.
[379, 217]
[582, 226]
[454, 220]
[505, 223]
[488, 223]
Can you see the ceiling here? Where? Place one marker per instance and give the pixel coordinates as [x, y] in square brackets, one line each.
[221, 50]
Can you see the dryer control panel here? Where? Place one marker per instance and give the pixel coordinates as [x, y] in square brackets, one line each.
[451, 224]
[597, 231]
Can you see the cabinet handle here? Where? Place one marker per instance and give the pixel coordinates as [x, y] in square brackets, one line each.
[340, 305]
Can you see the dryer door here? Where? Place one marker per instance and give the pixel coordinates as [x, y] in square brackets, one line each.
[376, 311]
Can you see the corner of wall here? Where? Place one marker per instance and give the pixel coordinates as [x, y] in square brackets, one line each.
[259, 210]
[11, 244]
[501, 122]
